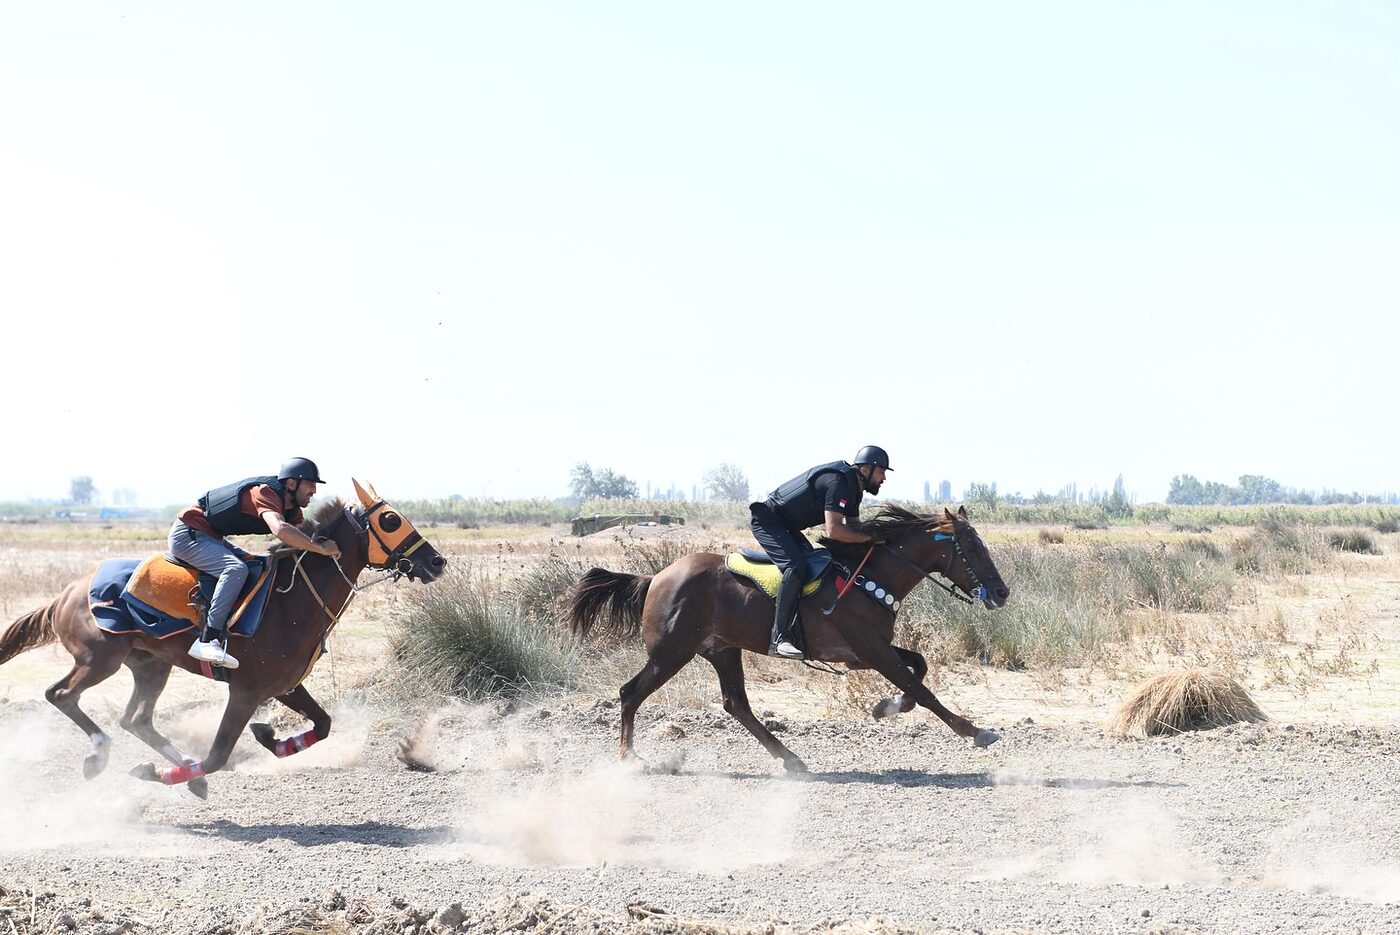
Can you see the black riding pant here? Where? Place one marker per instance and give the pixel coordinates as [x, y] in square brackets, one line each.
[788, 548]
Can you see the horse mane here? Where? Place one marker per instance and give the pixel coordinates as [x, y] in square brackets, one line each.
[889, 523]
[316, 518]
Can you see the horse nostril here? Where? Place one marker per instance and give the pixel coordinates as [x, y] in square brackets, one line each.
[1003, 593]
[439, 561]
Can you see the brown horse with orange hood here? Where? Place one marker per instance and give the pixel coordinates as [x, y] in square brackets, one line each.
[311, 593]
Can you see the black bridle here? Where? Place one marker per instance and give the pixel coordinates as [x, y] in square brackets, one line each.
[977, 594]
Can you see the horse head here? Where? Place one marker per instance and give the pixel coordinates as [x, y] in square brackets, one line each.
[944, 544]
[390, 541]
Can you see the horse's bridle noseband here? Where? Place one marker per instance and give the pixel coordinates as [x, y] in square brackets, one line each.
[977, 594]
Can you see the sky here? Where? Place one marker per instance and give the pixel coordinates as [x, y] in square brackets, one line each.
[456, 248]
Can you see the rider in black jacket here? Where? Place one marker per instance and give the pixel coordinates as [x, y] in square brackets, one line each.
[827, 495]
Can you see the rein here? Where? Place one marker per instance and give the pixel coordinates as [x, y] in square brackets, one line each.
[978, 593]
[333, 617]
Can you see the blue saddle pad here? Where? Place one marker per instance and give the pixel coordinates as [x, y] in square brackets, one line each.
[119, 612]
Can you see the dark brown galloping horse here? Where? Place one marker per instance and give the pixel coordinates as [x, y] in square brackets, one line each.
[696, 606]
[312, 592]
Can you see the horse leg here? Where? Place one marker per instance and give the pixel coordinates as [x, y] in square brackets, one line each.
[661, 666]
[94, 667]
[300, 701]
[729, 666]
[239, 709]
[902, 703]
[149, 675]
[882, 657]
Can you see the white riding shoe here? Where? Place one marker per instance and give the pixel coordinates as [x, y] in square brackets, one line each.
[210, 650]
[787, 650]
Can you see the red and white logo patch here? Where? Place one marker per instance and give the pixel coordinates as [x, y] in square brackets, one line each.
[842, 503]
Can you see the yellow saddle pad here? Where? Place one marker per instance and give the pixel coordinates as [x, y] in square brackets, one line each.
[170, 588]
[763, 574]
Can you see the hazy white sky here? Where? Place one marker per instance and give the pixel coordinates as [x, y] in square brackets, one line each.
[458, 247]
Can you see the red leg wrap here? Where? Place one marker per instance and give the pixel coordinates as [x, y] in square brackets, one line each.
[172, 775]
[295, 744]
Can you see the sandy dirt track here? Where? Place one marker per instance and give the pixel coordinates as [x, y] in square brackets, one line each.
[1246, 829]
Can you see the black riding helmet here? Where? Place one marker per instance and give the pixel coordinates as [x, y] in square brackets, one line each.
[301, 469]
[874, 456]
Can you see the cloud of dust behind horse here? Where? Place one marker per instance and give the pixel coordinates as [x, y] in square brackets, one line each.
[42, 810]
[1316, 855]
[604, 811]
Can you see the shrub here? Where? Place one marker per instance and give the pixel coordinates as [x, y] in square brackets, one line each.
[1052, 619]
[1196, 699]
[1275, 546]
[467, 636]
[1051, 537]
[1352, 540]
[1388, 525]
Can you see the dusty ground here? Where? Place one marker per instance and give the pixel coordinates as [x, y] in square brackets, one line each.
[529, 825]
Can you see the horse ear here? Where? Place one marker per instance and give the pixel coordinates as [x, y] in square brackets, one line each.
[948, 513]
[962, 511]
[367, 498]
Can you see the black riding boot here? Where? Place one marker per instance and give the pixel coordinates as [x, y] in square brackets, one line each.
[789, 591]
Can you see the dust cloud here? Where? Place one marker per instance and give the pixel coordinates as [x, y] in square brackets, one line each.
[1122, 835]
[36, 814]
[522, 803]
[1314, 855]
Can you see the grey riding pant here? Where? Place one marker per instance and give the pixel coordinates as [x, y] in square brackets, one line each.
[214, 556]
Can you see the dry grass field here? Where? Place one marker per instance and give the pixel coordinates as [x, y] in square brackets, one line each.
[1311, 631]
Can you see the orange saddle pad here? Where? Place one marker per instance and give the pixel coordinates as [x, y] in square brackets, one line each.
[172, 589]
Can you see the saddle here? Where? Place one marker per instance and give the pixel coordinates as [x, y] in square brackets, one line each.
[162, 597]
[756, 568]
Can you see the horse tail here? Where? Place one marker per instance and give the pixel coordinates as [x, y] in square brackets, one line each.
[31, 631]
[613, 597]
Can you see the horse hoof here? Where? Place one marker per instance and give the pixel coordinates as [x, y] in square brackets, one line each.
[93, 764]
[794, 765]
[199, 787]
[985, 738]
[146, 771]
[887, 708]
[264, 734]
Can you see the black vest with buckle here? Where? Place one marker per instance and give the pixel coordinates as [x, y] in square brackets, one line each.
[797, 502]
[220, 505]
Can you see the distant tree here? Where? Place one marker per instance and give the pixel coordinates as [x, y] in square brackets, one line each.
[585, 483]
[982, 494]
[1185, 490]
[1117, 503]
[81, 489]
[726, 482]
[1255, 488]
[613, 486]
[582, 485]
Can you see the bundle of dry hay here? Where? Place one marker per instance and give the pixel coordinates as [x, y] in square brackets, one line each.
[1196, 699]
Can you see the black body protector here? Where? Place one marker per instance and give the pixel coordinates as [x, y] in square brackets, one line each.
[220, 505]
